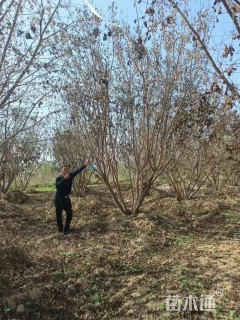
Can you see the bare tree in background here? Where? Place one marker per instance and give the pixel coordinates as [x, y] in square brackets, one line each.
[188, 171]
[31, 35]
[70, 148]
[19, 159]
[224, 150]
[208, 149]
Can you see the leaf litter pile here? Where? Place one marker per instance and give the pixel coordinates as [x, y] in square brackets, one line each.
[117, 267]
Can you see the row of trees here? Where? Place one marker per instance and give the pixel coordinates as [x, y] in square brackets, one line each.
[150, 100]
[30, 67]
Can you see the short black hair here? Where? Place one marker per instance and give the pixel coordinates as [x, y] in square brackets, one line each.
[66, 165]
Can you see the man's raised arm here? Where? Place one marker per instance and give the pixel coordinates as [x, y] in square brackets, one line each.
[74, 173]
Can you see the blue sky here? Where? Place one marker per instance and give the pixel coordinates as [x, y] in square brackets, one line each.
[221, 35]
[126, 10]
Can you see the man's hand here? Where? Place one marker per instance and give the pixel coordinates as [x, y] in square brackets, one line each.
[67, 176]
[87, 162]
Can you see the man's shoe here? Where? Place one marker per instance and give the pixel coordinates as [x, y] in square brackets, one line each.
[67, 231]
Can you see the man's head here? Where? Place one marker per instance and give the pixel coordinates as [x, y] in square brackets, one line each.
[65, 169]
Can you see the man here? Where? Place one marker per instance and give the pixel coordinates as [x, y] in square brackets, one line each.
[62, 199]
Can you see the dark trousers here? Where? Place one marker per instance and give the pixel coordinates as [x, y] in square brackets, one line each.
[66, 205]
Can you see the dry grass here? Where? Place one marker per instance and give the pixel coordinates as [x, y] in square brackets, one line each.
[116, 267]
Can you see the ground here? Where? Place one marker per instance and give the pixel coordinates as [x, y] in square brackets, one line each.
[121, 267]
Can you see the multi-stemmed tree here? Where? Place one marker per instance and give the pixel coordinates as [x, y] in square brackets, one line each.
[129, 92]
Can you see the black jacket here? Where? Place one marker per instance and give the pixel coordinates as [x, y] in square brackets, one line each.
[64, 186]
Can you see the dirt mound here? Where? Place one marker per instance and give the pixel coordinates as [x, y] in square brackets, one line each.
[15, 256]
[10, 210]
[17, 197]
